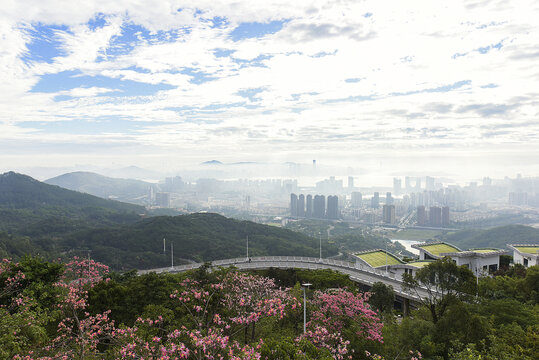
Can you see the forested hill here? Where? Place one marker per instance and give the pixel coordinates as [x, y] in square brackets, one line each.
[31, 207]
[497, 237]
[102, 186]
[197, 237]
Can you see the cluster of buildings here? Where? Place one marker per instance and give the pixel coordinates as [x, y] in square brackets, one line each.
[480, 261]
[435, 217]
[314, 207]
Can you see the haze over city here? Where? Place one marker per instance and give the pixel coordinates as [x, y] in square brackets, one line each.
[446, 89]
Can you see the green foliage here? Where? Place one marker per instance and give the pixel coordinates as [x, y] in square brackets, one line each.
[445, 283]
[29, 207]
[518, 283]
[488, 328]
[382, 297]
[287, 349]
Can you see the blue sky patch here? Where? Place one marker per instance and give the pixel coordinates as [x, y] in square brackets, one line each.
[250, 93]
[256, 62]
[486, 49]
[98, 22]
[219, 53]
[197, 77]
[219, 22]
[45, 44]
[457, 55]
[352, 80]
[256, 30]
[68, 80]
[444, 88]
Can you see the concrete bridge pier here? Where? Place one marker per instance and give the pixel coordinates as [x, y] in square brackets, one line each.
[406, 307]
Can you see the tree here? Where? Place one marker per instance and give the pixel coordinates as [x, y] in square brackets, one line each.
[444, 281]
[382, 297]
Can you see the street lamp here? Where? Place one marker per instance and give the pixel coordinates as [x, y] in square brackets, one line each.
[304, 286]
[320, 234]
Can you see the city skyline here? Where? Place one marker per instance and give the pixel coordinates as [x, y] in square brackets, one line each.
[443, 89]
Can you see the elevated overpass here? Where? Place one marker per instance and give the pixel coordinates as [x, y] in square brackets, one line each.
[357, 272]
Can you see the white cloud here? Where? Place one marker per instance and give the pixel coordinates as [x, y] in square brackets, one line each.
[425, 75]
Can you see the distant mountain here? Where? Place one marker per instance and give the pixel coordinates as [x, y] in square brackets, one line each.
[129, 190]
[497, 237]
[31, 207]
[212, 162]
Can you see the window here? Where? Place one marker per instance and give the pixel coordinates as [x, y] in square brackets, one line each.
[525, 262]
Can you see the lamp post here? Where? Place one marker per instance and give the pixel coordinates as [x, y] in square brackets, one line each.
[320, 234]
[305, 286]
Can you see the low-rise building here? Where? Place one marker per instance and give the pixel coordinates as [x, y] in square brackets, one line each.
[480, 261]
[527, 254]
[409, 268]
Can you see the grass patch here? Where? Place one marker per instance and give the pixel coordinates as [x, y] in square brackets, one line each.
[379, 258]
[527, 249]
[438, 249]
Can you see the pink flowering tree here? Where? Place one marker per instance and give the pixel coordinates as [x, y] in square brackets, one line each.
[215, 314]
[249, 299]
[340, 317]
[78, 333]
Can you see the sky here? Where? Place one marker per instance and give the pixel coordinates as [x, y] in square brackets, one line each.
[446, 88]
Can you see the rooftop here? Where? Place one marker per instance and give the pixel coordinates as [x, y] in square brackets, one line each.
[377, 258]
[419, 264]
[438, 248]
[483, 251]
[528, 249]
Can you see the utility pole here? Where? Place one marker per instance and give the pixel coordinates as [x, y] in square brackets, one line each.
[171, 255]
[304, 286]
[320, 234]
[386, 258]
[247, 247]
[164, 249]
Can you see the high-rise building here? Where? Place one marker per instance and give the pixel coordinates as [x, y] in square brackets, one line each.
[375, 200]
[293, 205]
[301, 205]
[397, 186]
[421, 216]
[389, 198]
[429, 183]
[356, 199]
[350, 182]
[389, 214]
[407, 183]
[162, 199]
[319, 206]
[435, 216]
[333, 207]
[309, 206]
[445, 216]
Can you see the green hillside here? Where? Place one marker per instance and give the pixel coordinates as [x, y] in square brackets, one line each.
[497, 237]
[98, 185]
[30, 207]
[197, 237]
